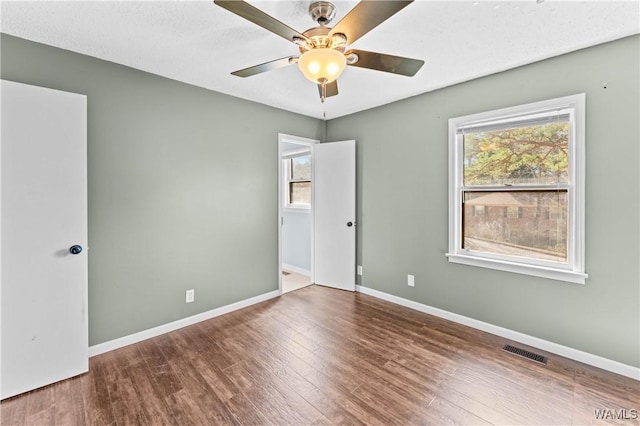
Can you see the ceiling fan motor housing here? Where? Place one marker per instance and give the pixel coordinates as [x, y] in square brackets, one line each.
[322, 12]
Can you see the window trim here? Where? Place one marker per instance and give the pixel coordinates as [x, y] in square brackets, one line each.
[574, 270]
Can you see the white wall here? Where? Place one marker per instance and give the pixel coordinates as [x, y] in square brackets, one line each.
[296, 239]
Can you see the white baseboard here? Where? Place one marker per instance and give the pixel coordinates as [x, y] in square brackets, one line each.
[295, 269]
[184, 322]
[565, 351]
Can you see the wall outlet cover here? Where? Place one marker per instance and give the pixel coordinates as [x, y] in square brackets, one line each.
[190, 296]
[411, 281]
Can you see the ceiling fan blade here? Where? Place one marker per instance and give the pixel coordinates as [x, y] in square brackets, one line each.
[331, 89]
[367, 15]
[258, 17]
[267, 66]
[387, 63]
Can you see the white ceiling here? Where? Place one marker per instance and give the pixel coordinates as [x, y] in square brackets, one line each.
[200, 43]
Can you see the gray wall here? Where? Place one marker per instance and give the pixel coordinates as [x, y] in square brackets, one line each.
[182, 188]
[183, 194]
[403, 210]
[296, 239]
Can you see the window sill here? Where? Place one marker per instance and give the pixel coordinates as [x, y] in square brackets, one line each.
[519, 268]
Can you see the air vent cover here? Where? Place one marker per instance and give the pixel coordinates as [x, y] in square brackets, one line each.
[526, 354]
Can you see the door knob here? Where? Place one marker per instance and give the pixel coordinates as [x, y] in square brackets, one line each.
[75, 249]
[349, 224]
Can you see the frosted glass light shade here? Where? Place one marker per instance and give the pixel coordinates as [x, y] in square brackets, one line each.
[322, 63]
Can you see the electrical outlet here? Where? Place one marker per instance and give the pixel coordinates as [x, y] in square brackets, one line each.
[360, 270]
[411, 281]
[191, 296]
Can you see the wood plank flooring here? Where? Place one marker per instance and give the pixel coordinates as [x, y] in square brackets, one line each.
[318, 356]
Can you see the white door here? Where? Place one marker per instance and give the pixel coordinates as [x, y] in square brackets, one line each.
[43, 286]
[334, 186]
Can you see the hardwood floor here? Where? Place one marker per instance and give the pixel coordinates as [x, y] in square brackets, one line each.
[321, 356]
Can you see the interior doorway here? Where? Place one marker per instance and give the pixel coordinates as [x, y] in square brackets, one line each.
[295, 212]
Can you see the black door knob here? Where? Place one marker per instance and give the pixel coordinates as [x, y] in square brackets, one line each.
[349, 224]
[75, 249]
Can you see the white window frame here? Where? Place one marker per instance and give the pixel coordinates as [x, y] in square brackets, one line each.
[286, 167]
[574, 270]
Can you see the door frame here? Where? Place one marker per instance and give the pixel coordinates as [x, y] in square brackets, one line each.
[282, 139]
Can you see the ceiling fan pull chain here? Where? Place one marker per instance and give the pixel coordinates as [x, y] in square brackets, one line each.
[323, 84]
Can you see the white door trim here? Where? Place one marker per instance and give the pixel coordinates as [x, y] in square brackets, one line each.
[284, 138]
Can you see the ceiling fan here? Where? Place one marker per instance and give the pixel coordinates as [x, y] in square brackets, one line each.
[323, 55]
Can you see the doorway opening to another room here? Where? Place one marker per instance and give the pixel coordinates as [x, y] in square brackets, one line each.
[295, 206]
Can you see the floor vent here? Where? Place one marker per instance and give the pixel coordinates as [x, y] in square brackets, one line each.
[526, 354]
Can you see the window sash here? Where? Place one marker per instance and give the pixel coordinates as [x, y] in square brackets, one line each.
[571, 242]
[483, 212]
[481, 134]
[507, 188]
[291, 169]
[292, 189]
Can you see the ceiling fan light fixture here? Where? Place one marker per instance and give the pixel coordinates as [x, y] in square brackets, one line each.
[322, 65]
[351, 58]
[338, 42]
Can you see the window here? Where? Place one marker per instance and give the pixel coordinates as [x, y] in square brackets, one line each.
[297, 169]
[513, 212]
[479, 211]
[516, 179]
